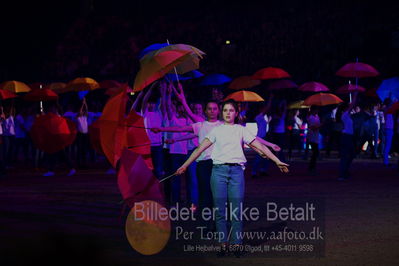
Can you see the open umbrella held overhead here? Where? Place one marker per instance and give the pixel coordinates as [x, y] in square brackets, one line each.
[322, 99]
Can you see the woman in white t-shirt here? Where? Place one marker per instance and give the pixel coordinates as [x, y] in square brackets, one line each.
[227, 181]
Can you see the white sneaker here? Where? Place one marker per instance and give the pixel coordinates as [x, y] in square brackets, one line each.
[71, 172]
[49, 173]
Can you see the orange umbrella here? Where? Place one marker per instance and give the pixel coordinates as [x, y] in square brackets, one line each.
[52, 133]
[15, 86]
[158, 66]
[271, 73]
[245, 96]
[82, 84]
[6, 94]
[322, 99]
[243, 82]
[41, 95]
[58, 87]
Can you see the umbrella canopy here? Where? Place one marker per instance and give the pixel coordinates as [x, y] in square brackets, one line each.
[191, 63]
[243, 82]
[15, 86]
[94, 135]
[41, 95]
[6, 94]
[36, 85]
[372, 93]
[394, 108]
[389, 88]
[214, 80]
[357, 70]
[313, 86]
[52, 133]
[322, 99]
[115, 90]
[270, 73]
[348, 88]
[298, 105]
[57, 87]
[282, 84]
[82, 84]
[152, 47]
[245, 96]
[158, 66]
[136, 181]
[190, 75]
[146, 232]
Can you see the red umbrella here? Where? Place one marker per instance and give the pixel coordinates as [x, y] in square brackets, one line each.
[357, 70]
[41, 95]
[94, 135]
[136, 181]
[348, 88]
[282, 84]
[36, 85]
[52, 133]
[243, 82]
[115, 90]
[372, 93]
[270, 73]
[394, 108]
[313, 86]
[6, 94]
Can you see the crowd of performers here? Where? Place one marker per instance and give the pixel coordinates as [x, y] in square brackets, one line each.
[205, 142]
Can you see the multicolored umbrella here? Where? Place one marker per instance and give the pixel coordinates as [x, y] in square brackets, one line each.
[158, 66]
[192, 62]
[348, 88]
[282, 84]
[190, 75]
[313, 87]
[15, 86]
[243, 82]
[245, 96]
[214, 80]
[270, 73]
[6, 94]
[52, 133]
[41, 95]
[357, 70]
[152, 47]
[322, 99]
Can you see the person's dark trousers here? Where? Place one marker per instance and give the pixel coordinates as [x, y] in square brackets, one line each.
[2, 166]
[177, 161]
[83, 142]
[8, 149]
[21, 143]
[157, 160]
[295, 140]
[62, 156]
[333, 141]
[347, 155]
[279, 139]
[315, 154]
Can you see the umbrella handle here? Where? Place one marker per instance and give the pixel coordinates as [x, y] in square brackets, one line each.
[165, 178]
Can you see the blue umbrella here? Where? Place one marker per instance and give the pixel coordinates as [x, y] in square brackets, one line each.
[215, 79]
[389, 88]
[151, 48]
[190, 75]
[82, 94]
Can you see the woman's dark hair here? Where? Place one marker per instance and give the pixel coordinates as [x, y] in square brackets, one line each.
[235, 105]
[232, 102]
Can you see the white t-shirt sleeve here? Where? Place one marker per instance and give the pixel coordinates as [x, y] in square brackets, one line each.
[196, 127]
[247, 136]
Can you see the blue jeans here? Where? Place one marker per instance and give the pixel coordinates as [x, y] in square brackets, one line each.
[191, 181]
[388, 143]
[228, 185]
[157, 160]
